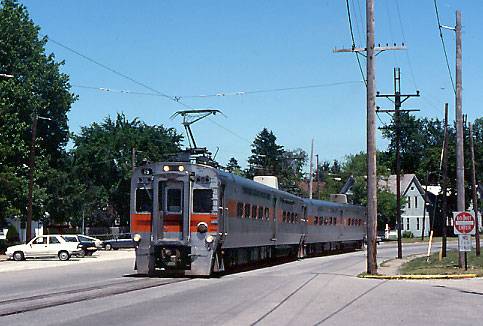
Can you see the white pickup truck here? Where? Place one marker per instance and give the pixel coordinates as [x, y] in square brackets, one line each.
[44, 246]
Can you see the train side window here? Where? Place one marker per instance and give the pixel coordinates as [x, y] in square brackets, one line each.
[247, 210]
[292, 218]
[260, 212]
[267, 213]
[284, 216]
[202, 200]
[144, 200]
[316, 220]
[174, 199]
[335, 220]
[296, 218]
[254, 211]
[321, 219]
[239, 210]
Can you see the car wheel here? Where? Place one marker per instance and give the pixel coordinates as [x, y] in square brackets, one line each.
[108, 246]
[18, 256]
[64, 255]
[89, 253]
[115, 248]
[82, 253]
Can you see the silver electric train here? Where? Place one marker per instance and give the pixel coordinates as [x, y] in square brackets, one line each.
[195, 219]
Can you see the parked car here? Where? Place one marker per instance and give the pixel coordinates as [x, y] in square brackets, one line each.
[89, 245]
[122, 241]
[44, 246]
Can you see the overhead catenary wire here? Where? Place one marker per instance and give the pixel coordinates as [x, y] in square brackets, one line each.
[354, 42]
[221, 93]
[444, 46]
[114, 71]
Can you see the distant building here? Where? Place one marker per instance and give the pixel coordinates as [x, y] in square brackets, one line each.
[413, 213]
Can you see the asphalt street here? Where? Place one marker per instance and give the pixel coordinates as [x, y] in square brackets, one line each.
[314, 291]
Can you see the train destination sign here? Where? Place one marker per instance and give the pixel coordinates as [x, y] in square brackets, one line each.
[464, 223]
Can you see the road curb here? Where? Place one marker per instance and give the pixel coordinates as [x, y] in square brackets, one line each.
[420, 277]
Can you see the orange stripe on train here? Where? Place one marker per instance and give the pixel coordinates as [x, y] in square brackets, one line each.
[141, 223]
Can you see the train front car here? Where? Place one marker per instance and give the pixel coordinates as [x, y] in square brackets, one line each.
[174, 218]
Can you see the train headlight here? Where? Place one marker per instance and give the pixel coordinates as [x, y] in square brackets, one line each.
[210, 239]
[166, 168]
[180, 168]
[136, 237]
[202, 227]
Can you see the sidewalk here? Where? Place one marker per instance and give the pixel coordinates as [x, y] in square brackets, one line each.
[37, 263]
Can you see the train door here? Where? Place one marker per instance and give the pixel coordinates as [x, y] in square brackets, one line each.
[171, 208]
[274, 219]
[222, 213]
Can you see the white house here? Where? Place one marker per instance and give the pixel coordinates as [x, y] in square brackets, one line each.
[413, 214]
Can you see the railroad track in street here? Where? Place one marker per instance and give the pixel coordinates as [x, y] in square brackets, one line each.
[58, 298]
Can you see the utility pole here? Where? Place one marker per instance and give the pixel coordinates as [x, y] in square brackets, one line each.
[473, 187]
[311, 178]
[399, 99]
[370, 52]
[317, 174]
[460, 167]
[371, 142]
[424, 208]
[445, 181]
[28, 232]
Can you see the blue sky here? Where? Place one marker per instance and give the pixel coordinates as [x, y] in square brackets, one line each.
[184, 48]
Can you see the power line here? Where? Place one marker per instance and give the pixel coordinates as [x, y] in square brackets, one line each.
[118, 73]
[404, 40]
[222, 93]
[444, 46]
[158, 93]
[271, 90]
[354, 42]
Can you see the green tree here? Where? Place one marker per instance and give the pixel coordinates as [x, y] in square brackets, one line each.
[37, 88]
[292, 173]
[234, 167]
[267, 155]
[101, 161]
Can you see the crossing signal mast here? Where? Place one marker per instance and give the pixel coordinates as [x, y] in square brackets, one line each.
[193, 152]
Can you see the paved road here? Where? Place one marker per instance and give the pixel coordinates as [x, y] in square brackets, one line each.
[314, 291]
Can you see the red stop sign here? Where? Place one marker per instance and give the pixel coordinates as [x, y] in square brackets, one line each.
[464, 223]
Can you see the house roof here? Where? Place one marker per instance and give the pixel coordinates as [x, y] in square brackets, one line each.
[406, 180]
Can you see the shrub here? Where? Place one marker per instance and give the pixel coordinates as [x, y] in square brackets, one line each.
[12, 234]
[408, 234]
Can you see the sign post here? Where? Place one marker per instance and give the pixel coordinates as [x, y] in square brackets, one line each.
[464, 227]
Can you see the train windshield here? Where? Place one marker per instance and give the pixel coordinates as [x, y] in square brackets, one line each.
[173, 199]
[202, 200]
[144, 200]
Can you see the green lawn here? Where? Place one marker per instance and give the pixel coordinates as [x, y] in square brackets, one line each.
[449, 265]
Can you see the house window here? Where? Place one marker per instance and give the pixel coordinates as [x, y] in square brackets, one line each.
[407, 224]
[417, 223]
[409, 201]
[415, 201]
